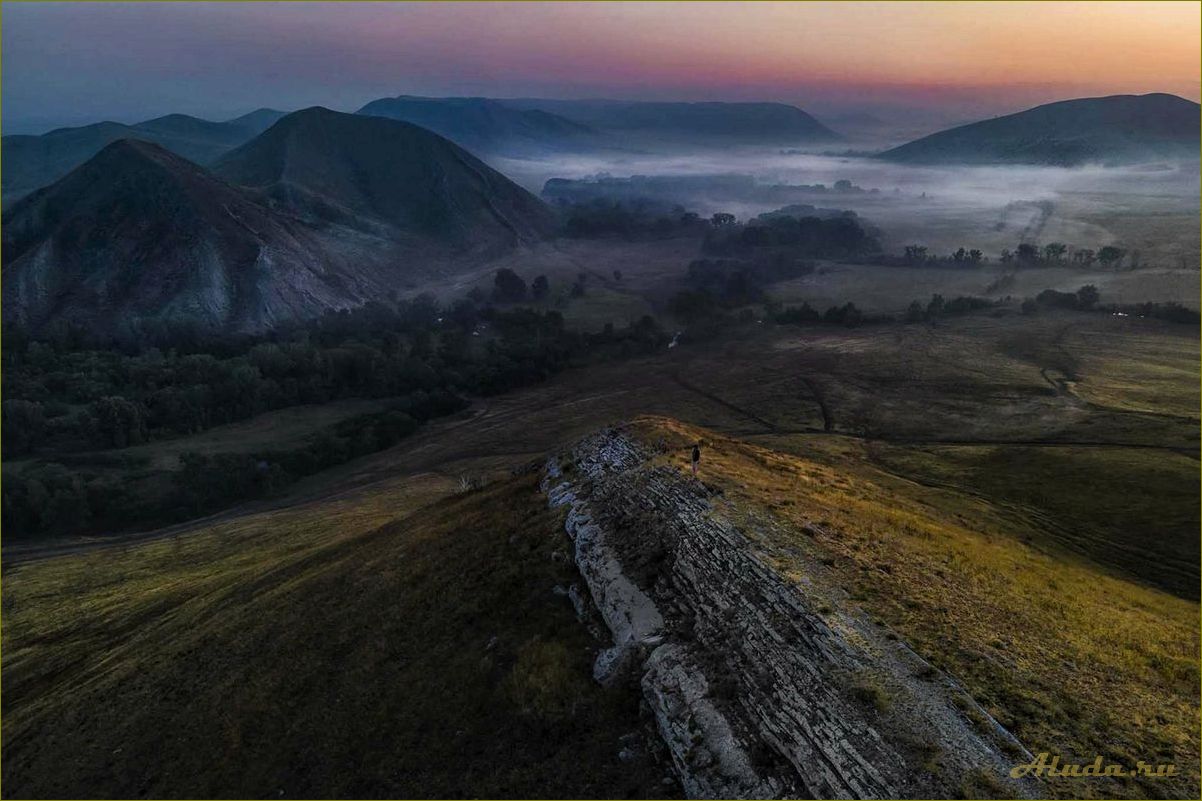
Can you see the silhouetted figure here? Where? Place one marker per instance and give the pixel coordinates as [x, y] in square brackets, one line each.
[696, 457]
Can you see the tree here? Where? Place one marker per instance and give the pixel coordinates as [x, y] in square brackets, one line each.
[118, 422]
[508, 286]
[935, 307]
[1110, 256]
[1088, 296]
[1056, 299]
[975, 256]
[23, 425]
[1054, 252]
[915, 313]
[721, 219]
[798, 315]
[915, 254]
[852, 316]
[540, 287]
[55, 499]
[847, 315]
[618, 276]
[578, 286]
[1027, 253]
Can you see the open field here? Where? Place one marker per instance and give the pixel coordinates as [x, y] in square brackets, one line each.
[1148, 373]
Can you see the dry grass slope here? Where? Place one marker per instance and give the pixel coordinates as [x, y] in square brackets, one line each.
[364, 647]
[1073, 660]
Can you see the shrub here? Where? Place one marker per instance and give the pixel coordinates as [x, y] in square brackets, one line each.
[508, 286]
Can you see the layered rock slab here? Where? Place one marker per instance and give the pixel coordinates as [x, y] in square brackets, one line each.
[756, 689]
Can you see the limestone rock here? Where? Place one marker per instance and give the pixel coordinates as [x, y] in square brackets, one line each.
[753, 692]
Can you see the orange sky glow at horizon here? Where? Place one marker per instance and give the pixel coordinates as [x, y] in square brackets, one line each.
[1103, 46]
[972, 57]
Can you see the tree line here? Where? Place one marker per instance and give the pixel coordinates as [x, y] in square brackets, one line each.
[66, 399]
[835, 237]
[1053, 254]
[1088, 298]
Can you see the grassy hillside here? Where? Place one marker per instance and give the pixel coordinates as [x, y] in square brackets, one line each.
[1071, 659]
[1134, 511]
[1118, 128]
[351, 648]
[1007, 494]
[362, 170]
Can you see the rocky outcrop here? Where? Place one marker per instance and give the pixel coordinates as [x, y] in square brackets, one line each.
[759, 688]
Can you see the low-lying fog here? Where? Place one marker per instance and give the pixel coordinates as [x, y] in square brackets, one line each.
[960, 184]
[942, 207]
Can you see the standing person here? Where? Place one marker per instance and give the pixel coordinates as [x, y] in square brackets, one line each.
[696, 457]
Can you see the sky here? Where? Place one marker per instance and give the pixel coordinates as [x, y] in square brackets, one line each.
[66, 63]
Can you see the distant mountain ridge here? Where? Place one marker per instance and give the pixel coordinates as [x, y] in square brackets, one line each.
[33, 161]
[704, 121]
[524, 126]
[323, 210]
[484, 125]
[1114, 129]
